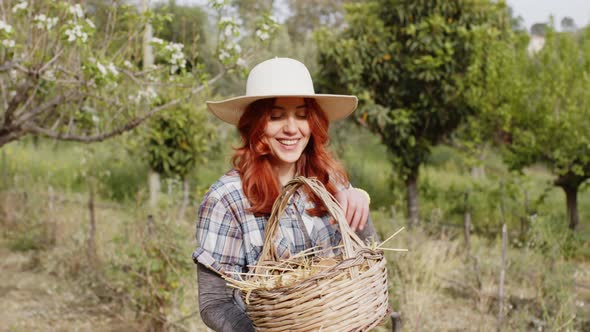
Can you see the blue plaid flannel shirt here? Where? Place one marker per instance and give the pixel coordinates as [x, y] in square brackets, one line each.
[230, 239]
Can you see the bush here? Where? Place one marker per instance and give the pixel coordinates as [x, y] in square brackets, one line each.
[149, 269]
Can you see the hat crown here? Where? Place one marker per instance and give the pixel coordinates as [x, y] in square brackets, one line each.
[279, 76]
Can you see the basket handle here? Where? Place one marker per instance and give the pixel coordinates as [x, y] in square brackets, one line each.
[349, 239]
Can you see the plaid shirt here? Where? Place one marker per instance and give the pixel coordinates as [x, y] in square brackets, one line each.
[230, 238]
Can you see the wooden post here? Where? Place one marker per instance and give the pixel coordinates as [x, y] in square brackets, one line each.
[185, 198]
[51, 218]
[393, 216]
[502, 207]
[4, 175]
[502, 273]
[150, 225]
[523, 221]
[154, 184]
[467, 222]
[396, 322]
[91, 247]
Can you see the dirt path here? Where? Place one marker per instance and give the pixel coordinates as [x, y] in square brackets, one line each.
[32, 300]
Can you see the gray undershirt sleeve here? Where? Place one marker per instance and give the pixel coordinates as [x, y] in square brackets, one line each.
[221, 307]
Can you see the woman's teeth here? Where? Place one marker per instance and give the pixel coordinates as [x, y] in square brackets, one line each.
[288, 141]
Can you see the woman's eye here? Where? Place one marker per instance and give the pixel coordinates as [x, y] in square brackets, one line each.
[276, 115]
[301, 115]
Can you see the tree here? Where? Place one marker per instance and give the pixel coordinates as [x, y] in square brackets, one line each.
[307, 16]
[538, 29]
[568, 24]
[76, 74]
[549, 122]
[494, 88]
[175, 141]
[407, 61]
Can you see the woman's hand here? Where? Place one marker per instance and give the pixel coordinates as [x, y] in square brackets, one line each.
[355, 204]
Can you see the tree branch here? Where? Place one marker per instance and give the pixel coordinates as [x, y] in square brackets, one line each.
[132, 124]
[42, 108]
[21, 93]
[364, 124]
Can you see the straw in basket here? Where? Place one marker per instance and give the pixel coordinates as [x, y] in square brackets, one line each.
[348, 295]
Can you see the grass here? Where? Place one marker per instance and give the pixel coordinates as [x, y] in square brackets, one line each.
[434, 285]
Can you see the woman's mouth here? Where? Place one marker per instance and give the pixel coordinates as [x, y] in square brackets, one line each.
[288, 142]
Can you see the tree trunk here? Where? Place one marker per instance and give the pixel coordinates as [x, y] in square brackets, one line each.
[570, 183]
[148, 56]
[154, 182]
[571, 197]
[412, 198]
[185, 198]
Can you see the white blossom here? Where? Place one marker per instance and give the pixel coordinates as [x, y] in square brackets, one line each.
[75, 33]
[88, 109]
[223, 54]
[12, 93]
[226, 19]
[229, 31]
[51, 22]
[218, 2]
[262, 35]
[128, 64]
[8, 43]
[43, 21]
[156, 40]
[113, 69]
[19, 6]
[49, 75]
[241, 62]
[90, 23]
[174, 47]
[95, 118]
[101, 68]
[77, 11]
[148, 94]
[177, 59]
[40, 19]
[265, 27]
[5, 26]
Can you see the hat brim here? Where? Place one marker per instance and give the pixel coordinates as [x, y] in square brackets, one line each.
[335, 107]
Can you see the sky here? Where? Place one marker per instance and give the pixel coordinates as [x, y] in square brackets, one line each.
[532, 11]
[538, 11]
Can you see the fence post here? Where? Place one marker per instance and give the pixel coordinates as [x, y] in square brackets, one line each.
[396, 322]
[502, 273]
[4, 172]
[150, 225]
[51, 218]
[467, 222]
[91, 249]
[523, 220]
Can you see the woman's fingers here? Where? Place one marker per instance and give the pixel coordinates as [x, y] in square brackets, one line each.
[355, 206]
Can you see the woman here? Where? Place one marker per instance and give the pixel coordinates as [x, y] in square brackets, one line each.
[284, 130]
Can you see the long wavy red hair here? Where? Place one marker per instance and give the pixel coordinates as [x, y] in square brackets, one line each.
[253, 159]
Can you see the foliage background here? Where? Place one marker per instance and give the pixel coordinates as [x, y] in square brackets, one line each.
[143, 278]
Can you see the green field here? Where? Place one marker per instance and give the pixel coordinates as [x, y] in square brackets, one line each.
[437, 285]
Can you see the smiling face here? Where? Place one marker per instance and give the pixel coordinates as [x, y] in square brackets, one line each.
[287, 131]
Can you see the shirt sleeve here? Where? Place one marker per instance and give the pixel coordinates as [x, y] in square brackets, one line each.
[219, 238]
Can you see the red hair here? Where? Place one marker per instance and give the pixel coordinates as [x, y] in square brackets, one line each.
[252, 159]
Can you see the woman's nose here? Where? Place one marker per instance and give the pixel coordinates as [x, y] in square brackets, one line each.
[290, 125]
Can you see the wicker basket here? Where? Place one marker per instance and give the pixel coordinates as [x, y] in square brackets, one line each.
[348, 296]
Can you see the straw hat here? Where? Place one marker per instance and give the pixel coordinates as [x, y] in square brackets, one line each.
[281, 77]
